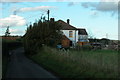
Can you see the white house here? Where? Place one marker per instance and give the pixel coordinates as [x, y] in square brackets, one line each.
[74, 35]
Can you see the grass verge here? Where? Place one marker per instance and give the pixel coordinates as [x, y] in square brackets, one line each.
[79, 64]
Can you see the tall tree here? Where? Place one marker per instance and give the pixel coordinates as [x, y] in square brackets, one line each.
[7, 33]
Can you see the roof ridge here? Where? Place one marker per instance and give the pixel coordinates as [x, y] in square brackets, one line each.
[66, 25]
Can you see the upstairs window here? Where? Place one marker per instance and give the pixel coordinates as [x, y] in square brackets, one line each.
[71, 34]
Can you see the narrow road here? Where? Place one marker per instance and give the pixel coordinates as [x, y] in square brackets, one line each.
[22, 67]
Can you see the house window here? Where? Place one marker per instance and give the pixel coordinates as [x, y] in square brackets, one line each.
[70, 33]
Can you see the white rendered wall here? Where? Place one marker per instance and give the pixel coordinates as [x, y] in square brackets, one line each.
[66, 32]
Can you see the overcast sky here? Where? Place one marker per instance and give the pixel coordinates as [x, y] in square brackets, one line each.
[99, 18]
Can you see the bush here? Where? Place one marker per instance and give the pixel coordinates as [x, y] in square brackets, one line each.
[84, 47]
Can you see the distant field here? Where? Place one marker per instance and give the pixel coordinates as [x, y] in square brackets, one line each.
[10, 38]
[79, 64]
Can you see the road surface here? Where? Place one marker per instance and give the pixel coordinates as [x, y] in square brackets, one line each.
[22, 67]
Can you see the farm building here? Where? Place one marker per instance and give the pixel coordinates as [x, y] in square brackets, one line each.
[72, 35]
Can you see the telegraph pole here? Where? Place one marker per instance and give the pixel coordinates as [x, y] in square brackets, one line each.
[48, 12]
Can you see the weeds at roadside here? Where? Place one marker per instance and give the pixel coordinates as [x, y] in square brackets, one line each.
[92, 64]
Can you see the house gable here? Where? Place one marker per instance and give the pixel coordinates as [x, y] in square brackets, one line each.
[82, 31]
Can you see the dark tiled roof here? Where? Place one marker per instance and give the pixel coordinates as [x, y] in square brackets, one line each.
[66, 26]
[82, 31]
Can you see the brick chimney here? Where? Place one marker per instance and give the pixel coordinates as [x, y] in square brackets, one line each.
[68, 21]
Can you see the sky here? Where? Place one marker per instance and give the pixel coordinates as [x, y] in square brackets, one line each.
[99, 17]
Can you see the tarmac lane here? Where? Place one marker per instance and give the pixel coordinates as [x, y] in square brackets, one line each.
[22, 67]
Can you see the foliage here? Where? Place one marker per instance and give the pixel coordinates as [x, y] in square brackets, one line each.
[46, 32]
[105, 41]
[79, 64]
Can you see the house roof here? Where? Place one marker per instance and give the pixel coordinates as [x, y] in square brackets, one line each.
[66, 26]
[82, 31]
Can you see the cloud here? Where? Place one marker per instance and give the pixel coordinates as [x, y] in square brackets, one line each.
[94, 13]
[16, 31]
[23, 0]
[61, 0]
[39, 8]
[103, 6]
[72, 3]
[53, 0]
[107, 6]
[12, 21]
[88, 5]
